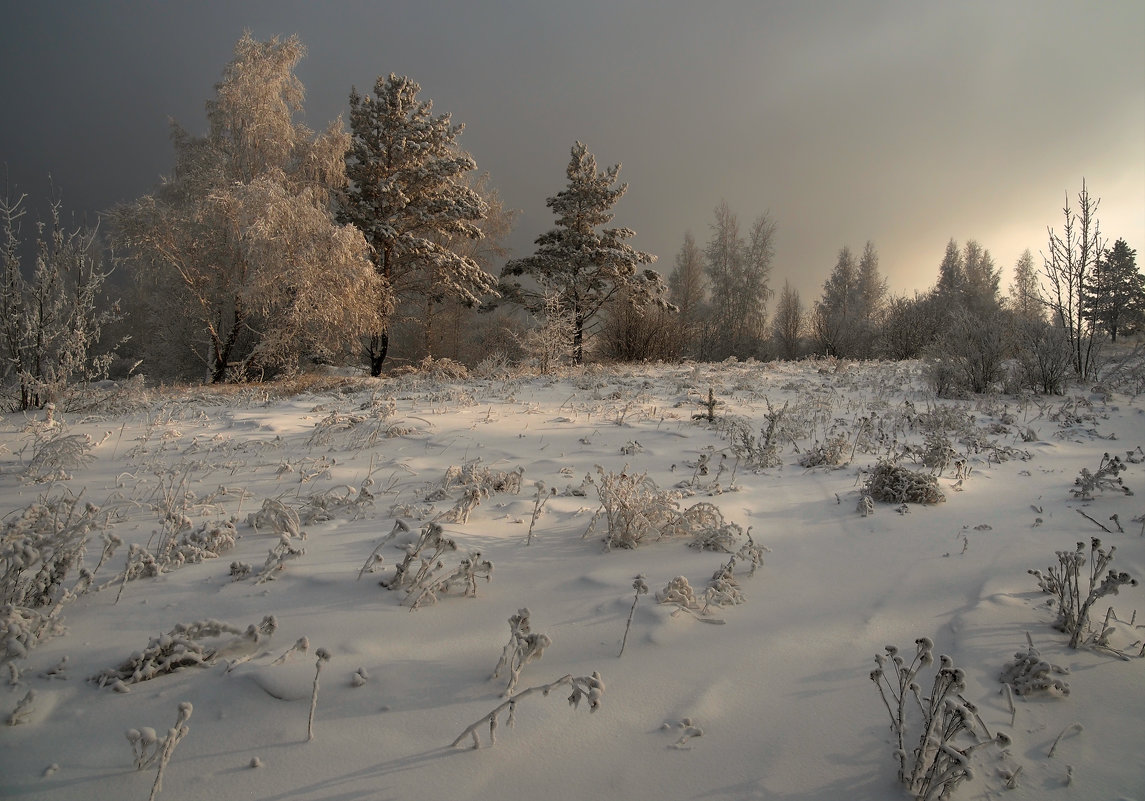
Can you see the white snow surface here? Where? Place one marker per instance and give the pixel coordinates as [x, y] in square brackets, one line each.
[781, 690]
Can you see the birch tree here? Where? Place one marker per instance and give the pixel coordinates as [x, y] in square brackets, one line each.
[1073, 254]
[239, 245]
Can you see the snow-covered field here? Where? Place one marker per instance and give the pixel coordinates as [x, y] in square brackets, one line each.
[779, 684]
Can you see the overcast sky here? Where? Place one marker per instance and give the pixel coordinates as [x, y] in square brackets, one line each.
[906, 123]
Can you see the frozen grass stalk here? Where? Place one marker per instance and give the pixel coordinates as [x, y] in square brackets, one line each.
[323, 657]
[149, 749]
[583, 687]
[640, 587]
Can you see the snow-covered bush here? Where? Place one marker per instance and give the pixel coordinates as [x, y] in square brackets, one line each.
[182, 647]
[891, 483]
[932, 769]
[56, 454]
[1074, 602]
[1029, 674]
[524, 646]
[633, 509]
[1106, 477]
[41, 544]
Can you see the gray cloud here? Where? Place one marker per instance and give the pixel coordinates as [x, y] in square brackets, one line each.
[903, 122]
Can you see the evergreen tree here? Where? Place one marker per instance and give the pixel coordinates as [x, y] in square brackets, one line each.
[587, 269]
[1115, 292]
[837, 313]
[980, 280]
[951, 278]
[409, 196]
[872, 296]
[787, 324]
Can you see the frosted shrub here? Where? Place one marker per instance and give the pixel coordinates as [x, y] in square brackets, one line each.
[524, 646]
[276, 517]
[182, 647]
[276, 558]
[1065, 583]
[633, 509]
[889, 483]
[1029, 674]
[148, 748]
[931, 770]
[56, 455]
[22, 629]
[831, 453]
[759, 452]
[423, 575]
[1106, 477]
[679, 592]
[357, 431]
[590, 688]
[41, 545]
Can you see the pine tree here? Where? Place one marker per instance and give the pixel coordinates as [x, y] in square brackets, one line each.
[787, 324]
[980, 280]
[1115, 292]
[872, 296]
[837, 313]
[409, 196]
[951, 286]
[588, 269]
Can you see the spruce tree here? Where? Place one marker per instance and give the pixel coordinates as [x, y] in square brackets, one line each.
[1115, 291]
[588, 267]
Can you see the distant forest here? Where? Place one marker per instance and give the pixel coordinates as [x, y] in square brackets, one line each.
[270, 248]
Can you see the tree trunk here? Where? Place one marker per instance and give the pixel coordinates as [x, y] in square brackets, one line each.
[376, 350]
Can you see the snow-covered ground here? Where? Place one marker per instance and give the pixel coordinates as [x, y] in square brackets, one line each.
[779, 684]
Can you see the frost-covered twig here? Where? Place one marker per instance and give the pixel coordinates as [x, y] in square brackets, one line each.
[323, 656]
[375, 557]
[1064, 582]
[640, 587]
[583, 687]
[524, 646]
[538, 506]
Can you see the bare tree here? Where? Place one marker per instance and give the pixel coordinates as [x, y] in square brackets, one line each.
[51, 324]
[1072, 258]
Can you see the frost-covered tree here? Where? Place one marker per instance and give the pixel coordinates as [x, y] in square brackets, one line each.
[951, 277]
[686, 290]
[872, 297]
[587, 266]
[1115, 291]
[52, 317]
[1069, 265]
[410, 195]
[1025, 300]
[787, 323]
[738, 270]
[238, 246]
[980, 280]
[838, 313]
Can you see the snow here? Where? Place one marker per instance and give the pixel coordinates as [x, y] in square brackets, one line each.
[774, 703]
